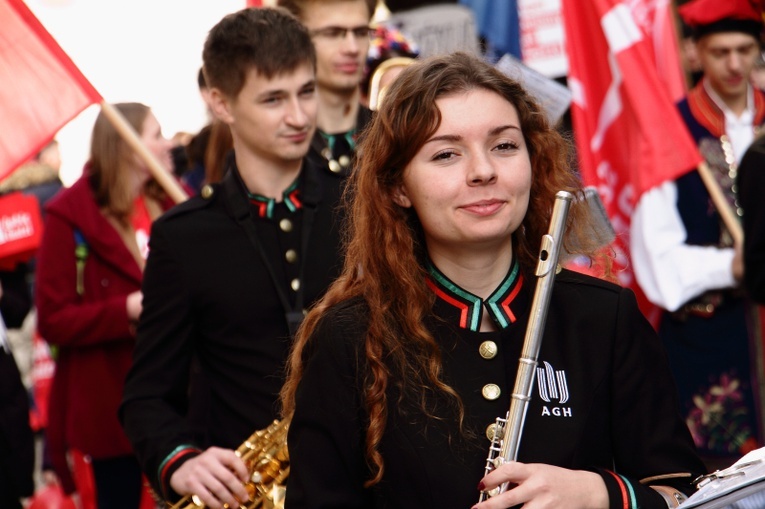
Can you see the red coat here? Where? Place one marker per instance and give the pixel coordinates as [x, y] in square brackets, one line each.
[92, 331]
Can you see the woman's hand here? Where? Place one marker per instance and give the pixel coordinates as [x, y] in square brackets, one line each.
[216, 476]
[134, 305]
[539, 486]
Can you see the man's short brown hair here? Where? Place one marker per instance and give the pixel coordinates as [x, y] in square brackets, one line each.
[270, 40]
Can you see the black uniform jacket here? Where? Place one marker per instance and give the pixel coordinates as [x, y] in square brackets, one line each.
[17, 449]
[751, 184]
[212, 314]
[603, 398]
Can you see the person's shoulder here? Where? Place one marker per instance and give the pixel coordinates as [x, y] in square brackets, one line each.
[344, 321]
[573, 279]
[73, 201]
[187, 210]
[750, 176]
[588, 297]
[350, 313]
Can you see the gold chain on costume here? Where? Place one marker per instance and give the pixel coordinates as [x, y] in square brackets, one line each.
[722, 161]
[730, 160]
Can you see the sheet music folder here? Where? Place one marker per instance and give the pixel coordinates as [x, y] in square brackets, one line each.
[742, 484]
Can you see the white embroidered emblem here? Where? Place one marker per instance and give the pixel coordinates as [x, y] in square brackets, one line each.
[552, 384]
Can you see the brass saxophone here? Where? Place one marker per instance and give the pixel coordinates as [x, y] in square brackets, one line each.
[507, 430]
[265, 455]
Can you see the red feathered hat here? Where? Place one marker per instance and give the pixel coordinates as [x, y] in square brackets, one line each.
[712, 16]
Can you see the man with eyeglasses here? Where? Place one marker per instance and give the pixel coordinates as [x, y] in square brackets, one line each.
[340, 32]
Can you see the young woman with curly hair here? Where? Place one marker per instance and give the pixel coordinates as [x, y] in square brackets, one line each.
[397, 374]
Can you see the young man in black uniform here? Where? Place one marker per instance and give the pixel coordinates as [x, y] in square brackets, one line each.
[341, 34]
[231, 271]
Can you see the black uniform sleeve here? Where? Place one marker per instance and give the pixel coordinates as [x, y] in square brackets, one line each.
[16, 300]
[643, 388]
[327, 466]
[751, 184]
[155, 398]
[17, 455]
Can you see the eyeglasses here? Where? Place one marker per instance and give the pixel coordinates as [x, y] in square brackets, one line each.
[339, 33]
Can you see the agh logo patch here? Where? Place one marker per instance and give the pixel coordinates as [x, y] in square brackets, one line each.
[553, 389]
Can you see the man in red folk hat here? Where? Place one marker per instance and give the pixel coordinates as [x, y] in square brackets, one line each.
[685, 260]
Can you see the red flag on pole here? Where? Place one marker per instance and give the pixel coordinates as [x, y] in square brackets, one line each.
[41, 88]
[628, 133]
[659, 21]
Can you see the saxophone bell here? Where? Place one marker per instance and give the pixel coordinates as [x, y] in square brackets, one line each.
[267, 460]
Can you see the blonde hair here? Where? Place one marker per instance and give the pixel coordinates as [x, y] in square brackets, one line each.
[111, 162]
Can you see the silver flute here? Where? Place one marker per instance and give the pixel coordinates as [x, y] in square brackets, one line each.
[508, 430]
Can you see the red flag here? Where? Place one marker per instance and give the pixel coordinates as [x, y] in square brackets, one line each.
[629, 135]
[657, 19]
[41, 89]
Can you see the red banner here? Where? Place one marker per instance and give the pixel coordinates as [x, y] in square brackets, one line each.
[628, 133]
[21, 228]
[41, 89]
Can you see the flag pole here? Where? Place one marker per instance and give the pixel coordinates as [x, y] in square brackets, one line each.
[162, 175]
[729, 218]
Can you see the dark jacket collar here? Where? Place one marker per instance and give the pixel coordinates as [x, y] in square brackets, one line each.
[235, 192]
[462, 308]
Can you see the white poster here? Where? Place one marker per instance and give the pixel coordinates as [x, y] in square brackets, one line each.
[542, 37]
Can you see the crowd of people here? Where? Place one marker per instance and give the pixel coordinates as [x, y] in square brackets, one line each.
[368, 277]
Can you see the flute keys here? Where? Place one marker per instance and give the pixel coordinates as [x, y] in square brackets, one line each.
[494, 432]
[488, 349]
[491, 391]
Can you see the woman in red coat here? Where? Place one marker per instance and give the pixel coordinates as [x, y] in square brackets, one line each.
[88, 300]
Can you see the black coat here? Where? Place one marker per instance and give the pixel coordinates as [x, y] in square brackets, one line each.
[17, 452]
[212, 317]
[751, 184]
[606, 401]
